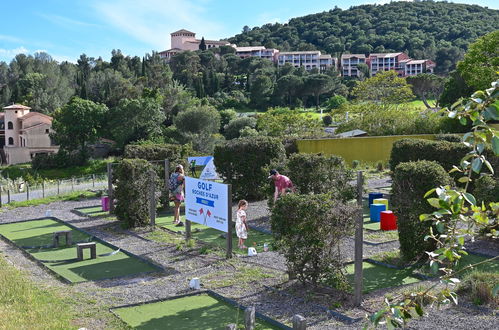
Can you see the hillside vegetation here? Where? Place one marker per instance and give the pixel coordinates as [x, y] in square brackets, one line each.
[439, 31]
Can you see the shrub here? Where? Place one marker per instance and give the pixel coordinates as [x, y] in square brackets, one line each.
[327, 120]
[60, 159]
[308, 229]
[233, 129]
[479, 286]
[242, 162]
[318, 174]
[175, 153]
[336, 101]
[411, 181]
[486, 189]
[445, 153]
[133, 179]
[449, 137]
[355, 163]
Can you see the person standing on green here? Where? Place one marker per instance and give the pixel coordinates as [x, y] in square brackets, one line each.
[193, 168]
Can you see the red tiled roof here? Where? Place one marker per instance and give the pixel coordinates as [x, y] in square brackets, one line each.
[33, 114]
[182, 31]
[17, 106]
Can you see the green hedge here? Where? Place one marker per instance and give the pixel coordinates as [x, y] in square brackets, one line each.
[410, 183]
[445, 153]
[175, 153]
[308, 230]
[486, 189]
[318, 174]
[244, 162]
[133, 179]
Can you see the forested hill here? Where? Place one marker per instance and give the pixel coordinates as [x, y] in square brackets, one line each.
[440, 31]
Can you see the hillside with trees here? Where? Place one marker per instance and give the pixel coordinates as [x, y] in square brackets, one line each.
[439, 31]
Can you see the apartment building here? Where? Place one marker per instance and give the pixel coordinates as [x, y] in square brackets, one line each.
[257, 51]
[387, 61]
[183, 40]
[415, 67]
[349, 64]
[307, 59]
[24, 134]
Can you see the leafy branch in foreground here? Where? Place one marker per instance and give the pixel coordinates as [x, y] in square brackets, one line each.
[458, 215]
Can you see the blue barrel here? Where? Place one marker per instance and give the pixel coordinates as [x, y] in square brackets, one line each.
[373, 196]
[375, 211]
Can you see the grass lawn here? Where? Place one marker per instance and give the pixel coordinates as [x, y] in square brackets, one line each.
[212, 236]
[192, 312]
[377, 277]
[470, 259]
[74, 196]
[32, 234]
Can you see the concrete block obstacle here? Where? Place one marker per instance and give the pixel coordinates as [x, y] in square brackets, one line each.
[388, 220]
[373, 196]
[81, 246]
[381, 201]
[299, 322]
[375, 210]
[58, 234]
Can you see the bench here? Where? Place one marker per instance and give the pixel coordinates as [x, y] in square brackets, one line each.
[81, 246]
[66, 233]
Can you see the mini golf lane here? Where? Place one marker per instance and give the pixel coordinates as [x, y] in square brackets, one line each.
[196, 311]
[35, 238]
[378, 277]
[212, 236]
[91, 211]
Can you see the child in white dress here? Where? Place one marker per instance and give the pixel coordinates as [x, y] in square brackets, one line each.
[241, 225]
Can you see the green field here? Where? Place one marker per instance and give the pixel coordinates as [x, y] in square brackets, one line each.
[93, 211]
[192, 312]
[212, 236]
[36, 236]
[377, 277]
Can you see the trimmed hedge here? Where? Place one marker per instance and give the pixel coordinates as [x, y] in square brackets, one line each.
[486, 189]
[308, 230]
[318, 174]
[133, 179]
[175, 153]
[411, 181]
[445, 153]
[242, 162]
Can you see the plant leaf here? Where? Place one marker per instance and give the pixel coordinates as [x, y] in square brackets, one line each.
[495, 145]
[476, 165]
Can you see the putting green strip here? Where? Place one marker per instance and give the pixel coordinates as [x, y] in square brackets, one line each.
[200, 311]
[91, 211]
[377, 277]
[62, 260]
[213, 237]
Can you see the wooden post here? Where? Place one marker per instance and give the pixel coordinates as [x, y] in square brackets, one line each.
[93, 180]
[72, 184]
[0, 196]
[359, 244]
[43, 188]
[299, 322]
[27, 191]
[188, 234]
[152, 199]
[8, 196]
[167, 180]
[58, 186]
[249, 318]
[229, 221]
[110, 187]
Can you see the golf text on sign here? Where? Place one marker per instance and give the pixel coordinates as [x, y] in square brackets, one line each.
[206, 203]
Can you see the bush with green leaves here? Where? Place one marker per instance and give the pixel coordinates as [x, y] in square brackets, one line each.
[486, 189]
[243, 162]
[449, 137]
[307, 230]
[133, 179]
[327, 120]
[175, 153]
[233, 129]
[320, 174]
[336, 101]
[411, 181]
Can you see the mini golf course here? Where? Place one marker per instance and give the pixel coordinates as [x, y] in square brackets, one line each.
[213, 237]
[91, 211]
[205, 310]
[35, 237]
[378, 277]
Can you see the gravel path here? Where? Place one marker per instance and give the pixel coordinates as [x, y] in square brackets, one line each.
[272, 294]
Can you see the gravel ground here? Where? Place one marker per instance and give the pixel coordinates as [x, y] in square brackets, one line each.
[271, 294]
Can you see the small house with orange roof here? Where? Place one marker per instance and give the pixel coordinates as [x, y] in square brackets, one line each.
[23, 134]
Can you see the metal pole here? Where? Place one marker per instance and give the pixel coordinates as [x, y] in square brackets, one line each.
[359, 243]
[110, 187]
[229, 221]
[152, 199]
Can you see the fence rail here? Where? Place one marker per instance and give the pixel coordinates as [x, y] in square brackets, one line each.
[19, 191]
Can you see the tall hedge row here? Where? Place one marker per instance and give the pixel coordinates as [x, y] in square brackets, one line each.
[133, 179]
[411, 181]
[445, 153]
[244, 162]
[319, 174]
[175, 153]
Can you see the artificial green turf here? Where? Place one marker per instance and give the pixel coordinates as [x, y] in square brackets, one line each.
[377, 277]
[212, 236]
[63, 261]
[93, 211]
[192, 312]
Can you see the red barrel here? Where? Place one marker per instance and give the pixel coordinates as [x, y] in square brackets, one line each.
[388, 220]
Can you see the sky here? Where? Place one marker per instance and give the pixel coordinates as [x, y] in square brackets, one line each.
[66, 29]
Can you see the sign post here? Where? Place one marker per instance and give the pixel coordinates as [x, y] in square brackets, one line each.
[210, 204]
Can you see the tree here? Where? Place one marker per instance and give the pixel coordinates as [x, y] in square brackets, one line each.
[289, 86]
[78, 124]
[426, 85]
[234, 127]
[318, 84]
[202, 44]
[480, 66]
[384, 87]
